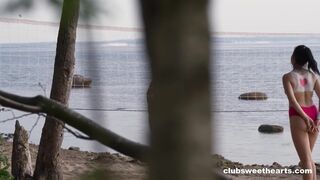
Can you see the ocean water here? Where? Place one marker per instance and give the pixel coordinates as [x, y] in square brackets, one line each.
[120, 75]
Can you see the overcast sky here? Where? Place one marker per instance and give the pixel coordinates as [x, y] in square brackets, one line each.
[262, 16]
[278, 16]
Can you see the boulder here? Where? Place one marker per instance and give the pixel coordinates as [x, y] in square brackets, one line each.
[79, 81]
[275, 165]
[266, 128]
[253, 96]
[73, 148]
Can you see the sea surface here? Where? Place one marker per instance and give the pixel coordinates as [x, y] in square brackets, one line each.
[120, 74]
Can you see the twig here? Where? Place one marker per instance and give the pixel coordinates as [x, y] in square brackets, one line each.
[77, 134]
[16, 117]
[9, 110]
[43, 89]
[34, 125]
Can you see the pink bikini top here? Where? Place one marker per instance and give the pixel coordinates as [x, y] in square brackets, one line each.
[302, 83]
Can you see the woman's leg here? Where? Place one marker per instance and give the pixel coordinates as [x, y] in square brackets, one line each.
[312, 141]
[301, 142]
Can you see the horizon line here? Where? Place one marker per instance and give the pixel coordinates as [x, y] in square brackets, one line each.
[136, 29]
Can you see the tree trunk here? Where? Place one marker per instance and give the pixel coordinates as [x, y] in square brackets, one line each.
[177, 38]
[21, 167]
[47, 164]
[150, 97]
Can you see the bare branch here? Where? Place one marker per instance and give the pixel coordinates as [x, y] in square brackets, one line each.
[40, 104]
[35, 124]
[13, 103]
[15, 117]
[23, 100]
[8, 110]
[43, 88]
[77, 135]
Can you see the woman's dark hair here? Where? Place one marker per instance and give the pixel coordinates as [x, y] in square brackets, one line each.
[302, 55]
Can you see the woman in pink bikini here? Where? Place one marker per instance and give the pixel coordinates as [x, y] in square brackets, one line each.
[299, 85]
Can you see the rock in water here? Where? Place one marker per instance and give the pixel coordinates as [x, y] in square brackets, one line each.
[253, 96]
[80, 81]
[266, 128]
[73, 148]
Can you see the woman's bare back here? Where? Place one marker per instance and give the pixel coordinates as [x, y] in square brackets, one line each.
[302, 82]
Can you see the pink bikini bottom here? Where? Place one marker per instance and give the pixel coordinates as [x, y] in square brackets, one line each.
[311, 111]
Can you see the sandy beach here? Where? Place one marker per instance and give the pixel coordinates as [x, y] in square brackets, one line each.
[80, 164]
[221, 163]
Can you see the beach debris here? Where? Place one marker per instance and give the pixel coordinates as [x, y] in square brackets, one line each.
[220, 162]
[221, 176]
[6, 136]
[253, 96]
[294, 167]
[266, 128]
[317, 168]
[74, 148]
[21, 167]
[79, 81]
[275, 165]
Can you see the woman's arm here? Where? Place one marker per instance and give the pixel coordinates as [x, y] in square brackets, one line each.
[317, 90]
[292, 100]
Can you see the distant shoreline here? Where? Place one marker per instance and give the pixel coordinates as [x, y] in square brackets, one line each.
[264, 34]
[135, 29]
